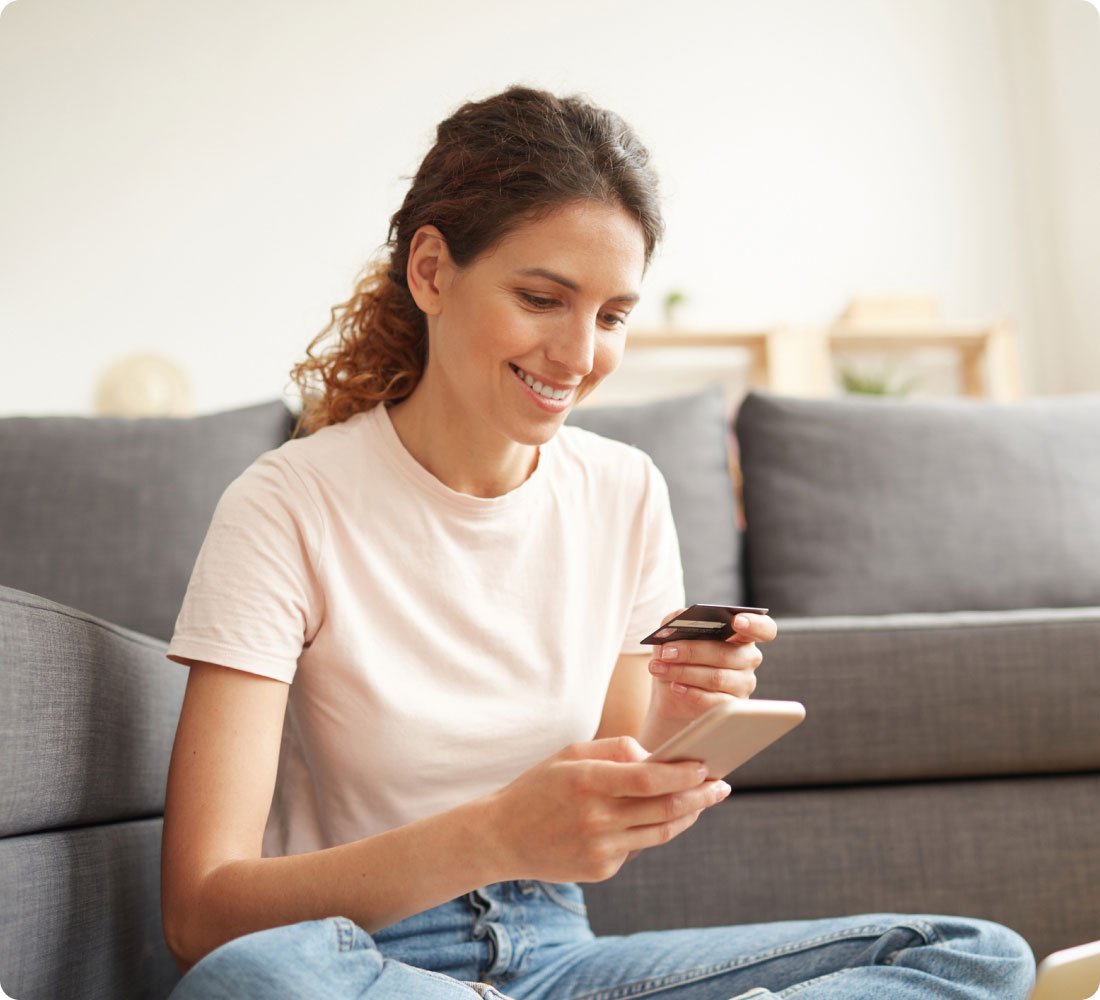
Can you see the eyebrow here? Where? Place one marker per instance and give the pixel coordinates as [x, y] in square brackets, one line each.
[542, 272]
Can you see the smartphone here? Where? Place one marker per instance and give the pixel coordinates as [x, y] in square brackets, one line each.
[700, 621]
[1072, 974]
[731, 733]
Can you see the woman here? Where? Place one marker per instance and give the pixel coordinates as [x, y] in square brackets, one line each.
[417, 708]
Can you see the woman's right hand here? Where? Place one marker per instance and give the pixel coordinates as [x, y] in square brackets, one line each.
[579, 815]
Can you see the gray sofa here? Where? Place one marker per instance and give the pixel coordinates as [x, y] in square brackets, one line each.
[934, 568]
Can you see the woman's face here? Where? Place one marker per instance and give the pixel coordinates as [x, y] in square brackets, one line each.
[530, 327]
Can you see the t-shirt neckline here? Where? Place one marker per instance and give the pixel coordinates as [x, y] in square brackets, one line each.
[423, 481]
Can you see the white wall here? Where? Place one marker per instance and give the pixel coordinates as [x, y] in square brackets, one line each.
[1074, 51]
[204, 179]
[1052, 55]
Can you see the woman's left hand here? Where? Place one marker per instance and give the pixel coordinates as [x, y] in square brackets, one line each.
[692, 676]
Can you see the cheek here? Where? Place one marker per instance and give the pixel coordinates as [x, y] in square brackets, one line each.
[608, 356]
[489, 331]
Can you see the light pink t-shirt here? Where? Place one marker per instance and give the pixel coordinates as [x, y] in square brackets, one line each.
[437, 644]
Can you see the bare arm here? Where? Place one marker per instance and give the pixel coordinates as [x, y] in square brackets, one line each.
[214, 884]
[627, 700]
[627, 709]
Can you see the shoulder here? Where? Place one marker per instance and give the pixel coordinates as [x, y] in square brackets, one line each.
[325, 453]
[293, 477]
[615, 464]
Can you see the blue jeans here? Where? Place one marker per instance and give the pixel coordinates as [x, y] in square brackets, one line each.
[531, 941]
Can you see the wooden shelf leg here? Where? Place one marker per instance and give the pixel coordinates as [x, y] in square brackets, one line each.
[1003, 363]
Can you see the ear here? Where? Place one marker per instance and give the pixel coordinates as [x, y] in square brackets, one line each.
[430, 269]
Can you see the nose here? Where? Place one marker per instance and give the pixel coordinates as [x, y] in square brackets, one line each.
[574, 346]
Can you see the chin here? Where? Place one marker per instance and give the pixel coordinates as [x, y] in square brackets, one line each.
[540, 435]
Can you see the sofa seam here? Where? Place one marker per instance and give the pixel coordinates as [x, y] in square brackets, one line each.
[78, 827]
[926, 628]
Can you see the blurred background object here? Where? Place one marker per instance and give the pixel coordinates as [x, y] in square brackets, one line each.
[144, 385]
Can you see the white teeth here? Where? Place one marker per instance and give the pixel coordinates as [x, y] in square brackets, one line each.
[542, 390]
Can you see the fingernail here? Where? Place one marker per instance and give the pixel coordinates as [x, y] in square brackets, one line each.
[657, 667]
[723, 790]
[741, 622]
[670, 652]
[701, 772]
[679, 688]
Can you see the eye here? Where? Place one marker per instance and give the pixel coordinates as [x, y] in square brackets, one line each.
[538, 301]
[613, 320]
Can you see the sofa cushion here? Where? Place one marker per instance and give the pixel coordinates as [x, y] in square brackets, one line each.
[1020, 851]
[87, 717]
[107, 514]
[687, 438]
[867, 506]
[921, 697]
[80, 914]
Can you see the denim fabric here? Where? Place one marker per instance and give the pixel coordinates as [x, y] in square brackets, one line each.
[531, 940]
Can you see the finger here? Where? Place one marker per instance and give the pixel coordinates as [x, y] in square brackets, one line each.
[669, 808]
[675, 614]
[739, 683]
[753, 628]
[639, 838]
[695, 701]
[646, 779]
[708, 652]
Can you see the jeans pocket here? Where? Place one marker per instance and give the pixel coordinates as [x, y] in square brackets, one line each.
[568, 895]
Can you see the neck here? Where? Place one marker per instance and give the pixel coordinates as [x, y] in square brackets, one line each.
[479, 464]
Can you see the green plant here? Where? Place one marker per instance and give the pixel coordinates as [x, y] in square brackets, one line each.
[670, 303]
[875, 384]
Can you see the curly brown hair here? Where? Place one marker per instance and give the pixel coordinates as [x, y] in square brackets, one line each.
[496, 164]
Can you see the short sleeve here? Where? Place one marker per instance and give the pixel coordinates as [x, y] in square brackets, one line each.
[254, 599]
[660, 588]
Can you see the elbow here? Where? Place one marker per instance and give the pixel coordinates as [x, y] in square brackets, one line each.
[183, 926]
[192, 915]
[178, 937]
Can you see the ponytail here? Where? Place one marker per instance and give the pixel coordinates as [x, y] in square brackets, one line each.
[378, 355]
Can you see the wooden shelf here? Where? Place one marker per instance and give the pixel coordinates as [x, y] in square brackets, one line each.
[988, 355]
[776, 360]
[798, 361]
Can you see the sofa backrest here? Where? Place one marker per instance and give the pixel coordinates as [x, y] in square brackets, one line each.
[870, 506]
[107, 514]
[688, 439]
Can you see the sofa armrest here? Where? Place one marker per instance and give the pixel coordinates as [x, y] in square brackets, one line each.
[926, 696]
[88, 712]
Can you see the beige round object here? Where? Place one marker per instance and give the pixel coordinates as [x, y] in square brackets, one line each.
[144, 385]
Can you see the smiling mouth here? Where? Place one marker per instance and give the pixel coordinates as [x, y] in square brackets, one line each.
[547, 392]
